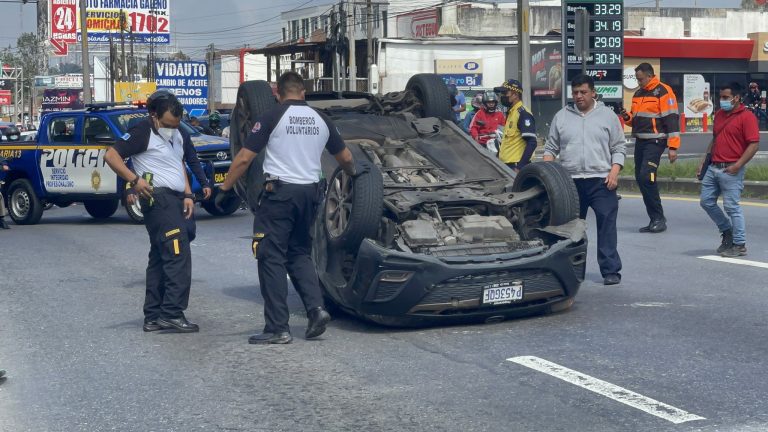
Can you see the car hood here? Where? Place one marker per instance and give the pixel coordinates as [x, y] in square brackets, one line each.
[210, 142]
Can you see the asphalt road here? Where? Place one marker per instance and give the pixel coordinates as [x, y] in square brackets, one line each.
[687, 332]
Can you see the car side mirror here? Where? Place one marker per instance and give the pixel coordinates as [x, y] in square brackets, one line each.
[104, 139]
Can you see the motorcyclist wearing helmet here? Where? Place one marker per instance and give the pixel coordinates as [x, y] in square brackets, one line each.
[214, 124]
[487, 120]
[753, 97]
[477, 105]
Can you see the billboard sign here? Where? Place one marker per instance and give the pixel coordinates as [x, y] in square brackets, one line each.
[462, 72]
[418, 25]
[603, 37]
[5, 97]
[69, 81]
[64, 16]
[133, 91]
[147, 21]
[547, 70]
[188, 80]
[62, 100]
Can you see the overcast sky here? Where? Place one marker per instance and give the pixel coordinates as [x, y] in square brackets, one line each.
[201, 17]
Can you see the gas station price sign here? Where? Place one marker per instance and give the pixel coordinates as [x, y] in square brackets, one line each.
[602, 30]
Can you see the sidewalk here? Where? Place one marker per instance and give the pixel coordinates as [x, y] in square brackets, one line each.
[686, 186]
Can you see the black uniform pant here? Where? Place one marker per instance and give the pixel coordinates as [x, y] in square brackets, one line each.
[282, 245]
[647, 157]
[169, 272]
[605, 203]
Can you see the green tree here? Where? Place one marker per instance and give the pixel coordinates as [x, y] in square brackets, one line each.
[66, 68]
[179, 56]
[31, 57]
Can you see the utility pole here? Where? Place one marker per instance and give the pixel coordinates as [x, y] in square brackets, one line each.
[87, 97]
[658, 7]
[524, 48]
[132, 62]
[211, 56]
[124, 62]
[111, 68]
[336, 38]
[352, 86]
[369, 27]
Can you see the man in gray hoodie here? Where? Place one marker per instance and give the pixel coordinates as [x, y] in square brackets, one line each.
[590, 141]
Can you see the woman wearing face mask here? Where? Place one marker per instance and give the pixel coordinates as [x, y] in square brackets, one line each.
[156, 148]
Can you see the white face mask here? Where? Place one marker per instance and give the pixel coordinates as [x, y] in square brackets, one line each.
[166, 133]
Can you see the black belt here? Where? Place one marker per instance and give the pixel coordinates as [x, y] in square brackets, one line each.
[167, 191]
[722, 165]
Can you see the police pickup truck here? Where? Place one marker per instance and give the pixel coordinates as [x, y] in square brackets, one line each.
[66, 164]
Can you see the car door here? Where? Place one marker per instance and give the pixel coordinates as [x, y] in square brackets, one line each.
[98, 136]
[61, 154]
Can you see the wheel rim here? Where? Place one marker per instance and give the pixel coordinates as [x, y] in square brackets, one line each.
[338, 207]
[136, 209]
[536, 212]
[20, 203]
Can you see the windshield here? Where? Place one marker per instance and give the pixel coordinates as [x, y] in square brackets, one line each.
[126, 120]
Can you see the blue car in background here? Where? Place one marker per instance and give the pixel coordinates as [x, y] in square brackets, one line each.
[66, 164]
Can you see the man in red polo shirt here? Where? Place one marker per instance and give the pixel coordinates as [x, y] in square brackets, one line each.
[735, 142]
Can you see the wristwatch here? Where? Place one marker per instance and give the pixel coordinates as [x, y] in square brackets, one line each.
[190, 196]
[134, 181]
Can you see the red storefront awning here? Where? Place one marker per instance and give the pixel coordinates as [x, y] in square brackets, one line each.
[688, 48]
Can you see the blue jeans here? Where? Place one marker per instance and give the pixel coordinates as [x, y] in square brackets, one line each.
[716, 182]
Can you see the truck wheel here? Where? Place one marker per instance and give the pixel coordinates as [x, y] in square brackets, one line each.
[25, 208]
[253, 99]
[557, 206]
[353, 208]
[210, 206]
[134, 212]
[101, 209]
[433, 94]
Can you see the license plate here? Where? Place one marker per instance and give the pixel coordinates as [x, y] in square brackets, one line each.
[219, 177]
[502, 292]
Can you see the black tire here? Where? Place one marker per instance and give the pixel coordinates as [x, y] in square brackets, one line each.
[560, 203]
[134, 212]
[101, 209]
[433, 94]
[253, 99]
[24, 206]
[210, 206]
[353, 208]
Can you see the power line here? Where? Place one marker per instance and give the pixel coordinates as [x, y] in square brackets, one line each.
[247, 25]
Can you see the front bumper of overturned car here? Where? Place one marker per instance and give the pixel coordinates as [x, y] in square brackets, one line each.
[406, 289]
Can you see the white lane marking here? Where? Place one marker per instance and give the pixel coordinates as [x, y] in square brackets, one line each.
[619, 394]
[735, 261]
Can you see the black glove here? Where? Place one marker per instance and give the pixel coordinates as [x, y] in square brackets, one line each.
[623, 114]
[225, 199]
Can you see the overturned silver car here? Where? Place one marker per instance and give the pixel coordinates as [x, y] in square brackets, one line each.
[439, 231]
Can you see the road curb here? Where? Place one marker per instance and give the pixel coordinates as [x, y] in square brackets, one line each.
[752, 189]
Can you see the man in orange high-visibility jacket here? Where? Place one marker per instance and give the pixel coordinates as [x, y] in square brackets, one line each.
[655, 122]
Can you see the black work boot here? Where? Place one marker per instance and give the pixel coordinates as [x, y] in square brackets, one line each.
[734, 251]
[270, 338]
[318, 318]
[727, 240]
[656, 226]
[3, 223]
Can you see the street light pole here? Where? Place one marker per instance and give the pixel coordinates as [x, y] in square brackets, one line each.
[524, 48]
[351, 37]
[86, 64]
